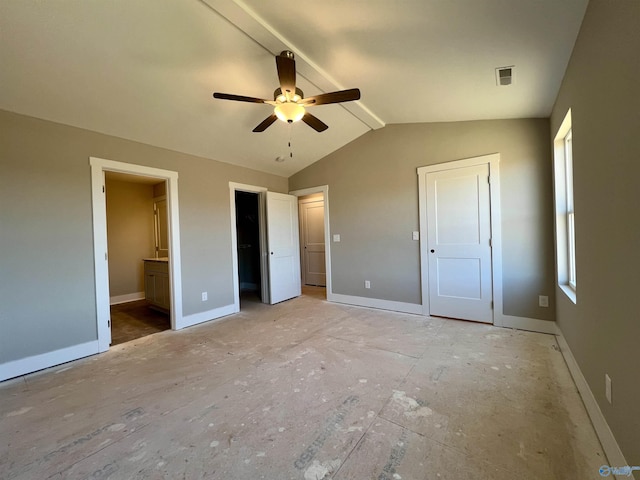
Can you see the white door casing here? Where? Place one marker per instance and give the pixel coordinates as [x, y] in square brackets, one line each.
[324, 190]
[264, 261]
[312, 242]
[98, 167]
[283, 245]
[460, 222]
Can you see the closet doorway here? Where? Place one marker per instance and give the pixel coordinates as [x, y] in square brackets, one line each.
[248, 247]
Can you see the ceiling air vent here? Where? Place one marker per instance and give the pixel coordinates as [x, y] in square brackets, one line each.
[505, 75]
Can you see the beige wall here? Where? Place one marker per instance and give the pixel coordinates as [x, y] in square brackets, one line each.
[373, 201]
[130, 234]
[602, 88]
[47, 299]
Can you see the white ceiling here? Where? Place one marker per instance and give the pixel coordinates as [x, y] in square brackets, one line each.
[145, 70]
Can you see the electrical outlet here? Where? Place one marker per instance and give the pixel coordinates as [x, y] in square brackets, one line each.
[367, 284]
[543, 301]
[204, 296]
[607, 387]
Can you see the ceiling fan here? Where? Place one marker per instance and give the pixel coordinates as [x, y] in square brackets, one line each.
[289, 101]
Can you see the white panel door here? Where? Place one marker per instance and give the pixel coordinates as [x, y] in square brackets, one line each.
[313, 248]
[459, 243]
[284, 247]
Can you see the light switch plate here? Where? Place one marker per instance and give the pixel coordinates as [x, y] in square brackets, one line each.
[336, 237]
[416, 235]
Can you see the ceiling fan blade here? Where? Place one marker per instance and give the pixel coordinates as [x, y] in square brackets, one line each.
[315, 123]
[266, 123]
[287, 73]
[239, 98]
[332, 97]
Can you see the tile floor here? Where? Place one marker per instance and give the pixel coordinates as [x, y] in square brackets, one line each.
[137, 319]
[305, 390]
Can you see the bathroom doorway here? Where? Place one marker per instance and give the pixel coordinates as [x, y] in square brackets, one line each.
[137, 242]
[167, 285]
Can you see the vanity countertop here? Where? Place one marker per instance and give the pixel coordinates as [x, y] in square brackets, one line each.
[161, 259]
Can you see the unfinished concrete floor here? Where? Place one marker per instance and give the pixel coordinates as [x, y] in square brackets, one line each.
[305, 390]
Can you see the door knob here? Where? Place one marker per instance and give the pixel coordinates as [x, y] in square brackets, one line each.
[433, 251]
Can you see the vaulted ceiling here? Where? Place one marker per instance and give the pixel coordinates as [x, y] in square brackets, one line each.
[145, 70]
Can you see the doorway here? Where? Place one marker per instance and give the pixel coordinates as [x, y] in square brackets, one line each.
[137, 242]
[278, 240]
[171, 268]
[312, 240]
[315, 260]
[248, 246]
[460, 244]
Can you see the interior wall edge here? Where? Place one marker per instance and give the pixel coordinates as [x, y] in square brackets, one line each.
[603, 431]
[378, 303]
[129, 297]
[34, 363]
[208, 316]
[529, 324]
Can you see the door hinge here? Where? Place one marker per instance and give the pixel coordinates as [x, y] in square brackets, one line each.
[489, 179]
[491, 242]
[109, 323]
[491, 305]
[105, 256]
[102, 188]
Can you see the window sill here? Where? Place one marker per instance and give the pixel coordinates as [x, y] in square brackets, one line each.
[569, 292]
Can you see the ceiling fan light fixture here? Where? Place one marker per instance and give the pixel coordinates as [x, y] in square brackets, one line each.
[289, 101]
[289, 112]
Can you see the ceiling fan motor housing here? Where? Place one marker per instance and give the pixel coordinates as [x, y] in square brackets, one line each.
[278, 93]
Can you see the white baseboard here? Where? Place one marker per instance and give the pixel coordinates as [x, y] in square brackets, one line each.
[375, 303]
[605, 435]
[530, 324]
[34, 363]
[129, 297]
[207, 316]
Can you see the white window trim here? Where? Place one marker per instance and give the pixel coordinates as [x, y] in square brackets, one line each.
[564, 208]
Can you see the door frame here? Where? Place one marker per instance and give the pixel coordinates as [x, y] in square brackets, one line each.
[324, 189]
[100, 251]
[302, 224]
[493, 161]
[264, 277]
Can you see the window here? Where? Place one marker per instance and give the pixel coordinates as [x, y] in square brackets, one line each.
[565, 211]
[571, 229]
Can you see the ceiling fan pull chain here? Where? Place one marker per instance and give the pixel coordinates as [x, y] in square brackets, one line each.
[290, 135]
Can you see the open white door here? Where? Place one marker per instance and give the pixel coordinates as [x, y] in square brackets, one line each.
[459, 243]
[284, 247]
